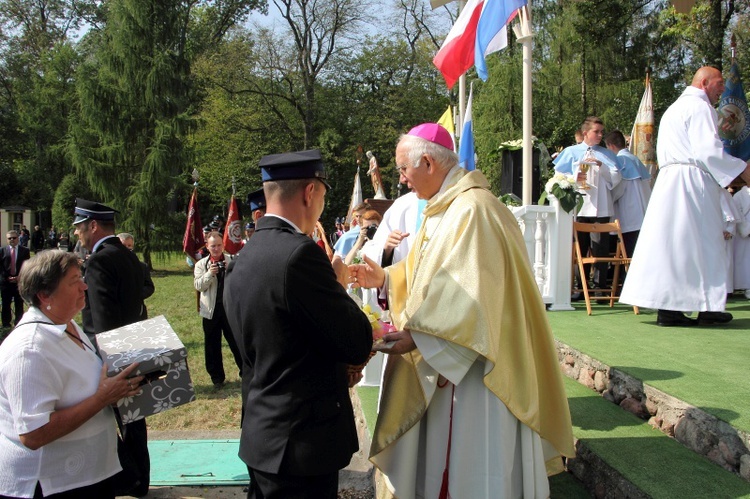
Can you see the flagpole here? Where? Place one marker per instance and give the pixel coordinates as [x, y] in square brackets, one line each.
[461, 88]
[524, 36]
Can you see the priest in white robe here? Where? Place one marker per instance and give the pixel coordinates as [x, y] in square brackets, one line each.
[473, 403]
[680, 263]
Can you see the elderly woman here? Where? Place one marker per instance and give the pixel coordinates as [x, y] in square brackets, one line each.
[57, 429]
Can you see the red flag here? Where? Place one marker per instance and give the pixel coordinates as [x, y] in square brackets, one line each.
[233, 230]
[193, 240]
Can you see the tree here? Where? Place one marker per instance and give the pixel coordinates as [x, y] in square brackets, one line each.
[704, 31]
[127, 140]
[136, 107]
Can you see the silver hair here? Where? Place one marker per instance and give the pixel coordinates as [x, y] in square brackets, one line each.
[43, 274]
[445, 159]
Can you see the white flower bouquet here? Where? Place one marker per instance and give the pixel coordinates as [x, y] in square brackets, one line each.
[564, 188]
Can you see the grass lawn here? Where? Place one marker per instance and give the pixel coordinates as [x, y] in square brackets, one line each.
[175, 298]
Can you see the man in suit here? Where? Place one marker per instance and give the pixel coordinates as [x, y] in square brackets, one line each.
[128, 241]
[13, 257]
[114, 298]
[297, 330]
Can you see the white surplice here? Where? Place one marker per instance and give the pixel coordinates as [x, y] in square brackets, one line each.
[401, 215]
[632, 194]
[680, 262]
[741, 240]
[492, 453]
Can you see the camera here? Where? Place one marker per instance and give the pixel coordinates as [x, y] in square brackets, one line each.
[222, 265]
[371, 231]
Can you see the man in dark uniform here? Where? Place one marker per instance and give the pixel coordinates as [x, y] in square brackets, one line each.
[114, 277]
[297, 330]
[257, 202]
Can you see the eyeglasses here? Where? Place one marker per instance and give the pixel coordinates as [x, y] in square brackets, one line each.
[12, 238]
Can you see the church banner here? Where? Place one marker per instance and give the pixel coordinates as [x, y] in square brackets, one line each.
[734, 117]
[642, 136]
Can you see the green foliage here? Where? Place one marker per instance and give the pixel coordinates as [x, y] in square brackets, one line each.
[69, 189]
[155, 89]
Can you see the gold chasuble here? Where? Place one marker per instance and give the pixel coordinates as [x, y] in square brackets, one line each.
[468, 280]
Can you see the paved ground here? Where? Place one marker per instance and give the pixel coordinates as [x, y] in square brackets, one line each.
[355, 481]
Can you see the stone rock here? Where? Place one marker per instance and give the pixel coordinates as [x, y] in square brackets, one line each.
[745, 466]
[690, 433]
[634, 406]
[727, 454]
[652, 406]
[585, 379]
[669, 419]
[570, 360]
[600, 381]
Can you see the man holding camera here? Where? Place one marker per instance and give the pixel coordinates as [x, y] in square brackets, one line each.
[208, 279]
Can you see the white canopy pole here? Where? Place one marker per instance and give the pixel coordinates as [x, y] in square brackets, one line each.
[524, 36]
[461, 88]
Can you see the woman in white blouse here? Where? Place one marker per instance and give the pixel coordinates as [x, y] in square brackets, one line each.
[57, 430]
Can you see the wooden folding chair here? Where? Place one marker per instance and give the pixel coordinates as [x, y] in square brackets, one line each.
[619, 259]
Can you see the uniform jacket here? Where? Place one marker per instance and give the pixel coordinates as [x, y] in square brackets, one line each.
[114, 297]
[22, 254]
[207, 284]
[297, 329]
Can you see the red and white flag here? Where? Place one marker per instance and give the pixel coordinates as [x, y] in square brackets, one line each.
[193, 239]
[480, 30]
[456, 55]
[233, 230]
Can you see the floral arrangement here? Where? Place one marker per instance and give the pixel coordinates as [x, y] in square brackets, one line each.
[564, 188]
[379, 328]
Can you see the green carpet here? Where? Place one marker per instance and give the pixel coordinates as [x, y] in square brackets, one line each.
[196, 462]
[704, 366]
[656, 464]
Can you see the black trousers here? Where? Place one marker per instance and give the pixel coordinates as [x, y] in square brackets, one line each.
[10, 295]
[103, 490]
[599, 246]
[135, 439]
[272, 486]
[213, 329]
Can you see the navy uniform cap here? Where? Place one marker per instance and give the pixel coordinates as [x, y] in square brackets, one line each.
[90, 210]
[257, 200]
[293, 165]
[250, 225]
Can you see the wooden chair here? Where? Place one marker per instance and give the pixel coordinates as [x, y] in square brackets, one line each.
[618, 259]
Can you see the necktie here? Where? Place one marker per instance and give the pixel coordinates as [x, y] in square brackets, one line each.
[12, 260]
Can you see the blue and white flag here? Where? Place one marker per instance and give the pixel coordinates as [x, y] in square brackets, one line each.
[734, 117]
[466, 145]
[492, 31]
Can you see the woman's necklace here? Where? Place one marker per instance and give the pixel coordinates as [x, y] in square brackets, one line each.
[77, 338]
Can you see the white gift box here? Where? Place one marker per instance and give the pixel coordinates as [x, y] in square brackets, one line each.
[161, 357]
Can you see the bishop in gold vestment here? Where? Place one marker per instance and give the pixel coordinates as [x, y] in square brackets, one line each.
[473, 403]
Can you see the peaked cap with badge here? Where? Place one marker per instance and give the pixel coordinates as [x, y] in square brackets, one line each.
[90, 210]
[257, 200]
[293, 165]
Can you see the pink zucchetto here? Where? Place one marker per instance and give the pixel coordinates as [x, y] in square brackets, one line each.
[433, 132]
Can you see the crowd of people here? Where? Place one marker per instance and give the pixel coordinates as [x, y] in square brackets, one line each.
[683, 237]
[448, 263]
